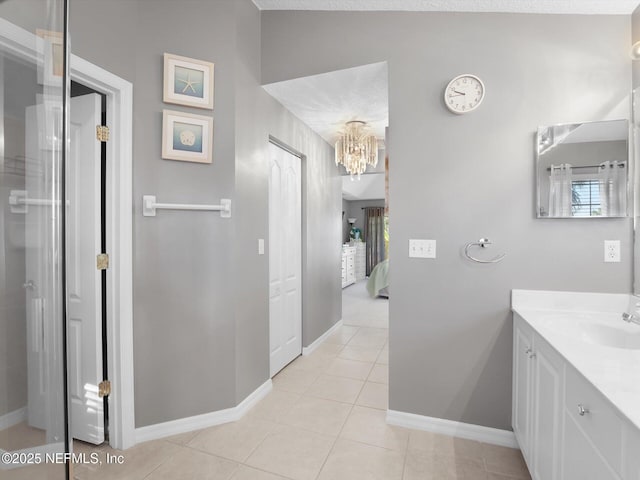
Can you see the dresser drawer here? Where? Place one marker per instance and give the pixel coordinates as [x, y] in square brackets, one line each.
[595, 416]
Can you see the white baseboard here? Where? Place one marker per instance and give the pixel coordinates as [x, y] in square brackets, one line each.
[494, 436]
[10, 419]
[318, 341]
[197, 422]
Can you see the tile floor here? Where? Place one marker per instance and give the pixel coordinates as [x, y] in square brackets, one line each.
[324, 420]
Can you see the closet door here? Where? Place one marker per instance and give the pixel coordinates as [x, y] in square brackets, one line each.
[285, 258]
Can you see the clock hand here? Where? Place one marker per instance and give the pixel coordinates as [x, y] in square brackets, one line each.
[459, 93]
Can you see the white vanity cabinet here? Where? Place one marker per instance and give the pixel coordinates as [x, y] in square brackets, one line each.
[566, 429]
[537, 401]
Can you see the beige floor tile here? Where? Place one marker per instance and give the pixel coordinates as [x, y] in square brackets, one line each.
[182, 438]
[374, 395]
[139, 462]
[427, 466]
[190, 464]
[316, 362]
[295, 380]
[370, 337]
[383, 358]
[340, 389]
[379, 374]
[35, 472]
[361, 354]
[497, 476]
[274, 405]
[443, 445]
[341, 367]
[369, 425]
[504, 461]
[318, 415]
[248, 473]
[21, 436]
[234, 440]
[356, 461]
[342, 335]
[328, 348]
[292, 452]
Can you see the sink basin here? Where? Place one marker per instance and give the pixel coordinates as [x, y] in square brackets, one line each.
[609, 336]
[605, 329]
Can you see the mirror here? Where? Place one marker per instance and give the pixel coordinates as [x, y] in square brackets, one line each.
[583, 170]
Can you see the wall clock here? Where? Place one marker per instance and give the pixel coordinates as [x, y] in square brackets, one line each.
[464, 93]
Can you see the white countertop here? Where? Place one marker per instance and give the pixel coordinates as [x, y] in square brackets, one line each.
[558, 316]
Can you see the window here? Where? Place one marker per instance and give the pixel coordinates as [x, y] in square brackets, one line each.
[585, 198]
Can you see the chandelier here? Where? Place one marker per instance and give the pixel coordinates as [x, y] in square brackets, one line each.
[356, 148]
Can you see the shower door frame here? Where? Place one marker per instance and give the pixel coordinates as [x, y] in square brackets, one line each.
[119, 198]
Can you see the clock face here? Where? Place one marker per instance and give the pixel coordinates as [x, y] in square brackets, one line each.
[464, 93]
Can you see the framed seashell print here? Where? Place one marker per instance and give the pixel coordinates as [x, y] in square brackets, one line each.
[187, 137]
[188, 81]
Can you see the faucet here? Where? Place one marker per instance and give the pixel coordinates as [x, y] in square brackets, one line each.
[631, 318]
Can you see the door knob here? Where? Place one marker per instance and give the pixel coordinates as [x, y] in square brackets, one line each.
[582, 410]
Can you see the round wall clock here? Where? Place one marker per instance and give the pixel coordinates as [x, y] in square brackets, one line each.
[464, 93]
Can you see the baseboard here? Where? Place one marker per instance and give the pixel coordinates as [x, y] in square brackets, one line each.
[318, 341]
[494, 436]
[10, 419]
[197, 422]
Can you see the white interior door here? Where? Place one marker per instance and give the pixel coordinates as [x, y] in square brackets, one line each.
[285, 258]
[84, 314]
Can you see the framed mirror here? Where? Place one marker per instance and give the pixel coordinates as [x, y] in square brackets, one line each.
[583, 170]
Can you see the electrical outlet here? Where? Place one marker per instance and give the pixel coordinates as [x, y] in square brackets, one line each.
[419, 248]
[612, 251]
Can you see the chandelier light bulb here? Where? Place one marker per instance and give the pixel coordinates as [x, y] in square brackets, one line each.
[356, 148]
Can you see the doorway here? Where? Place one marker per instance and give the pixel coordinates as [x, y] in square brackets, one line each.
[285, 257]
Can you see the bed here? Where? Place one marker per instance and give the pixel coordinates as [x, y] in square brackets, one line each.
[378, 282]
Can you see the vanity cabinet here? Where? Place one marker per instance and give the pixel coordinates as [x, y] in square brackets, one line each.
[537, 401]
[566, 428]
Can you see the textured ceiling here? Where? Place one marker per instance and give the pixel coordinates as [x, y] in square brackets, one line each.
[585, 7]
[327, 101]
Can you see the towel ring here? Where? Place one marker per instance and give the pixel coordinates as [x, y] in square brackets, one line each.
[483, 242]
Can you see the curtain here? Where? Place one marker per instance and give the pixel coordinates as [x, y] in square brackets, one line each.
[613, 191]
[560, 191]
[374, 236]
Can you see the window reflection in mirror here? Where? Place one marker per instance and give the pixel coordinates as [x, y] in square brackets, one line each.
[583, 170]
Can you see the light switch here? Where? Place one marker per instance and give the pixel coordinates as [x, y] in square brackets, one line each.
[420, 248]
[261, 246]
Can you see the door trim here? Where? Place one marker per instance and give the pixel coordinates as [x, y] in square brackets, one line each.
[119, 93]
[119, 219]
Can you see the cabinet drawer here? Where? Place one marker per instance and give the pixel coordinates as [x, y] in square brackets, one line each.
[599, 421]
[581, 459]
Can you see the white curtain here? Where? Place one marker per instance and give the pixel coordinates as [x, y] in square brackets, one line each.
[560, 190]
[613, 189]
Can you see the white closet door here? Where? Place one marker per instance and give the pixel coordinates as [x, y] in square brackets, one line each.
[285, 259]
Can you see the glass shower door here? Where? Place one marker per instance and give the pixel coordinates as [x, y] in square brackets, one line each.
[33, 432]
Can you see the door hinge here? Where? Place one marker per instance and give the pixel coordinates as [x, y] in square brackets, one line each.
[104, 388]
[102, 261]
[102, 133]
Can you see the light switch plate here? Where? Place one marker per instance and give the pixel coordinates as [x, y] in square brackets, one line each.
[421, 248]
[261, 246]
[612, 251]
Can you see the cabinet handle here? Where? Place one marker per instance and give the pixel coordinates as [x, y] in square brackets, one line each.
[582, 410]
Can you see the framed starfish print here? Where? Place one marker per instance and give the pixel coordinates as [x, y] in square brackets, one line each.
[188, 81]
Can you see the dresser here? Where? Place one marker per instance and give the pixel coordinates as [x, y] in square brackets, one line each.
[348, 265]
[361, 260]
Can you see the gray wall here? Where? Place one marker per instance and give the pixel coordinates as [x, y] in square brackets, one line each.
[356, 211]
[458, 178]
[200, 289]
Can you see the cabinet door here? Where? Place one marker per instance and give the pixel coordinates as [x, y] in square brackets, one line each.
[581, 460]
[547, 411]
[522, 348]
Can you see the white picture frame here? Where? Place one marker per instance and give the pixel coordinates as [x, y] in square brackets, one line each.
[188, 81]
[187, 137]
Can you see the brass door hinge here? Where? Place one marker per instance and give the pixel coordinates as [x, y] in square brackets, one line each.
[104, 388]
[102, 261]
[102, 133]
